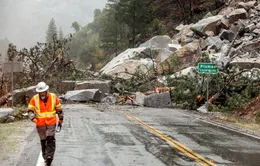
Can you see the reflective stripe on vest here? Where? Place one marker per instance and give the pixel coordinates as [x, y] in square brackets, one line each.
[38, 112]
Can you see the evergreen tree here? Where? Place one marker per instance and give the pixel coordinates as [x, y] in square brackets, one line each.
[51, 31]
[113, 33]
[137, 15]
[61, 36]
[75, 25]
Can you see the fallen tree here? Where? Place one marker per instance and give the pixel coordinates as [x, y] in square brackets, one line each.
[47, 62]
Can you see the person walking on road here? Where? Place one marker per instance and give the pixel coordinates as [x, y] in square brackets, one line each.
[42, 110]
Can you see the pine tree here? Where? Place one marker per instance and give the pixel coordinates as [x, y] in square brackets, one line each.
[76, 26]
[61, 36]
[137, 14]
[113, 33]
[51, 31]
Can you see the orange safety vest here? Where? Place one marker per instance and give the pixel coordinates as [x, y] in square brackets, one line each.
[45, 113]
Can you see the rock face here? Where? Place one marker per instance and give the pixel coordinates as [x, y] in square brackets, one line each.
[237, 14]
[129, 62]
[84, 95]
[103, 85]
[160, 100]
[22, 96]
[157, 42]
[188, 52]
[207, 24]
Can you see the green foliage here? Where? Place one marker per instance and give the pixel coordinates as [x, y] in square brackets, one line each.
[137, 15]
[61, 36]
[185, 91]
[45, 62]
[75, 25]
[241, 95]
[156, 27]
[113, 34]
[257, 118]
[51, 31]
[83, 48]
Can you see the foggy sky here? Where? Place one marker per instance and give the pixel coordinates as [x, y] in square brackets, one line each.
[24, 22]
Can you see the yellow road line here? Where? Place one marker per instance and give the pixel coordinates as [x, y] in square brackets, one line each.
[188, 152]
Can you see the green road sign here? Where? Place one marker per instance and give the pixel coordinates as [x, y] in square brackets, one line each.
[207, 68]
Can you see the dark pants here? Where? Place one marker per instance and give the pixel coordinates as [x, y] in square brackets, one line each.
[47, 136]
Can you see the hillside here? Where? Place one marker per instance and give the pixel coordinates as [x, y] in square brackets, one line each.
[129, 23]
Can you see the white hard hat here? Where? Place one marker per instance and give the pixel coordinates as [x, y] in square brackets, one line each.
[42, 87]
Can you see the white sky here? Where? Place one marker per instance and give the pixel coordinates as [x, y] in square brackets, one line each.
[24, 22]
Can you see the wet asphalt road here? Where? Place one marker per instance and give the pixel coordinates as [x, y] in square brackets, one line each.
[126, 136]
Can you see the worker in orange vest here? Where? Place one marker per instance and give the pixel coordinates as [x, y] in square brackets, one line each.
[42, 110]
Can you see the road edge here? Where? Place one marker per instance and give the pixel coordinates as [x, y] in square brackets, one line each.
[228, 126]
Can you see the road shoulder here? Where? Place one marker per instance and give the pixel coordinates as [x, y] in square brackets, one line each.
[13, 138]
[228, 121]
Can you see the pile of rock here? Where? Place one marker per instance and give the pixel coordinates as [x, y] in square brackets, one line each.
[229, 38]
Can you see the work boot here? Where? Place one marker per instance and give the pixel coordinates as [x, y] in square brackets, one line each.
[48, 161]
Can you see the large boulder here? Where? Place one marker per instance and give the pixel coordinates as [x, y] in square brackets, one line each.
[224, 23]
[139, 98]
[188, 52]
[219, 59]
[129, 67]
[110, 99]
[250, 46]
[157, 42]
[237, 14]
[246, 63]
[103, 85]
[247, 5]
[189, 72]
[227, 35]
[163, 55]
[5, 112]
[23, 96]
[203, 109]
[258, 7]
[84, 95]
[174, 47]
[257, 31]
[160, 100]
[207, 24]
[226, 11]
[214, 43]
[250, 28]
[128, 62]
[185, 34]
